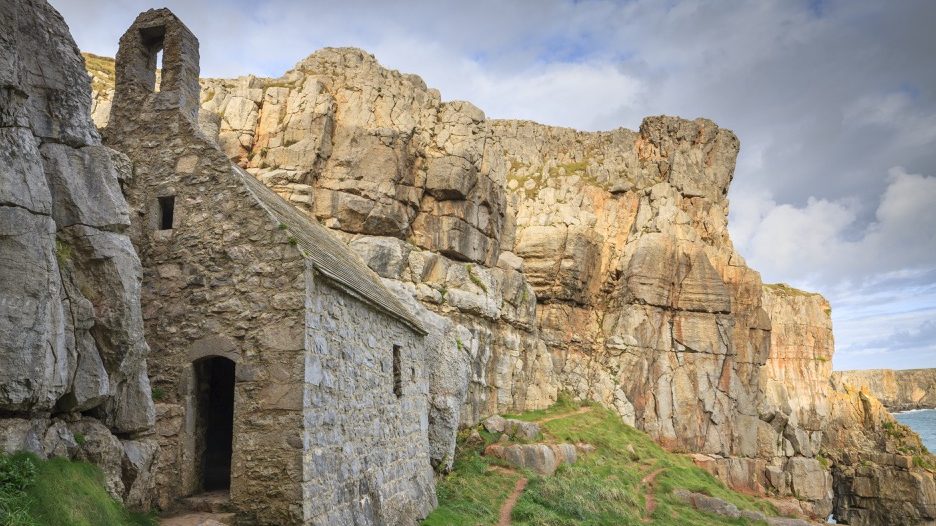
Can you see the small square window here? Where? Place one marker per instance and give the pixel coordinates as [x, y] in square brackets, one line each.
[166, 212]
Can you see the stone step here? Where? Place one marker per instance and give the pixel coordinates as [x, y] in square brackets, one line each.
[209, 502]
[198, 519]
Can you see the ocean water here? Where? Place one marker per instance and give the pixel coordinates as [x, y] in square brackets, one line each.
[923, 421]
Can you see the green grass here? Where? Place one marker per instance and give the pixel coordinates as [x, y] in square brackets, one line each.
[603, 488]
[472, 493]
[783, 289]
[158, 393]
[58, 492]
[475, 278]
[63, 252]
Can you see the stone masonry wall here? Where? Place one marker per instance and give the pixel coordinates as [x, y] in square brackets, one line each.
[223, 282]
[366, 459]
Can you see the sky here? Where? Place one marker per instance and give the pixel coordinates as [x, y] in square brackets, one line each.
[834, 103]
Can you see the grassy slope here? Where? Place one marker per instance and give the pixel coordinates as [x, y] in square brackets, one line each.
[59, 493]
[602, 488]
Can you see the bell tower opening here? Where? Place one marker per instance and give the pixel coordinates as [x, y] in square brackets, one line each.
[153, 40]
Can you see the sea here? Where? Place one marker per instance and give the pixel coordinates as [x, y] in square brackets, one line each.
[923, 421]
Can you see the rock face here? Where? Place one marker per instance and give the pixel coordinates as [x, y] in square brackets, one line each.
[594, 263]
[72, 352]
[796, 405]
[882, 473]
[898, 390]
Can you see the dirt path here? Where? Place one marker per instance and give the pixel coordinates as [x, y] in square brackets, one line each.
[583, 409]
[649, 500]
[508, 506]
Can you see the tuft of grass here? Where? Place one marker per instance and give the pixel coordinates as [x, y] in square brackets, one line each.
[58, 492]
[472, 493]
[63, 252]
[603, 488]
[293, 241]
[475, 278]
[923, 462]
[569, 168]
[281, 226]
[158, 394]
[892, 429]
[17, 473]
[80, 439]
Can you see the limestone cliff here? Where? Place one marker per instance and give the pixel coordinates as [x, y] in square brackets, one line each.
[898, 390]
[72, 354]
[596, 263]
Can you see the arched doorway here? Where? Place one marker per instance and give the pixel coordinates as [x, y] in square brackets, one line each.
[214, 380]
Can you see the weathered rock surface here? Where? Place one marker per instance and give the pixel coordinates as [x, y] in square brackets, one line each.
[595, 263]
[881, 471]
[512, 428]
[898, 390]
[796, 404]
[71, 336]
[541, 458]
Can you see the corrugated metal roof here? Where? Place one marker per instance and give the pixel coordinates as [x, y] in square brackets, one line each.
[332, 258]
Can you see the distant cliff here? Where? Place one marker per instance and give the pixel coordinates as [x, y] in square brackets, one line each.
[900, 390]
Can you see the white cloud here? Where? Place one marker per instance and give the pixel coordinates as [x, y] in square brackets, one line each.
[816, 243]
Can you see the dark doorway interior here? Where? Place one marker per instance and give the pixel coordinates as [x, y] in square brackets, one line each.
[215, 378]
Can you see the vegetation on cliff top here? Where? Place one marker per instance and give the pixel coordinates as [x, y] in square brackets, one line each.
[604, 487]
[58, 492]
[101, 70]
[783, 289]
